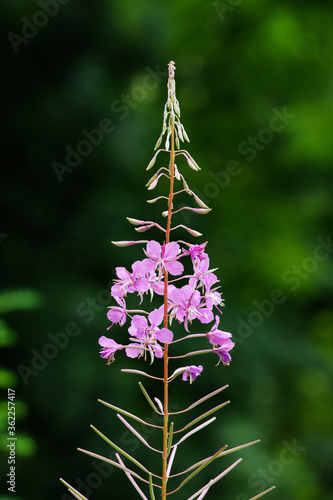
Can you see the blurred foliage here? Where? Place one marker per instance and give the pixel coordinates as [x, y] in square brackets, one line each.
[25, 446]
[271, 194]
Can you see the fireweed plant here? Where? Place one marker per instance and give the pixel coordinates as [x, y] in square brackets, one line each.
[183, 298]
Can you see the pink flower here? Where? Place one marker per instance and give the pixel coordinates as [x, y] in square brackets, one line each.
[186, 305]
[132, 282]
[146, 335]
[165, 257]
[200, 259]
[145, 332]
[222, 341]
[192, 372]
[117, 314]
[218, 337]
[109, 348]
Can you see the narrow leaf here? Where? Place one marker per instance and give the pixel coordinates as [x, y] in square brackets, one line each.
[172, 456]
[263, 493]
[148, 399]
[213, 481]
[137, 434]
[139, 372]
[193, 431]
[159, 403]
[203, 494]
[72, 490]
[170, 438]
[199, 469]
[237, 448]
[151, 489]
[130, 478]
[130, 415]
[116, 464]
[204, 415]
[193, 405]
[136, 462]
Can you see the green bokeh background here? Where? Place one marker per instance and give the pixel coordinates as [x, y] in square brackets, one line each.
[239, 64]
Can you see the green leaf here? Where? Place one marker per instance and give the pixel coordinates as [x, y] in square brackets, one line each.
[130, 415]
[148, 399]
[170, 438]
[151, 489]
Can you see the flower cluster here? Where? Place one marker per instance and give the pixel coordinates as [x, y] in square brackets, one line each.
[196, 299]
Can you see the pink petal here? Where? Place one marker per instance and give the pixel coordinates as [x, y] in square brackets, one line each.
[106, 342]
[122, 273]
[172, 249]
[133, 352]
[158, 351]
[139, 322]
[156, 316]
[154, 250]
[147, 266]
[115, 315]
[164, 335]
[175, 268]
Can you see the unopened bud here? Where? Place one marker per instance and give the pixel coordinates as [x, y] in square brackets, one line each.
[142, 229]
[177, 174]
[165, 214]
[151, 180]
[191, 164]
[122, 243]
[153, 184]
[177, 143]
[167, 142]
[193, 232]
[151, 163]
[185, 135]
[157, 145]
[201, 210]
[199, 201]
[135, 222]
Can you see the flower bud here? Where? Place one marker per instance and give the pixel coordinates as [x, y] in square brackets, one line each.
[177, 174]
[123, 243]
[199, 201]
[151, 181]
[152, 184]
[151, 163]
[191, 163]
[157, 145]
[142, 229]
[201, 210]
[185, 134]
[135, 222]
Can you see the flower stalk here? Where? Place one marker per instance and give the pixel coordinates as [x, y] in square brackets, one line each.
[184, 298]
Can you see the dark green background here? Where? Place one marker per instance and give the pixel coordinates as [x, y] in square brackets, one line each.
[236, 63]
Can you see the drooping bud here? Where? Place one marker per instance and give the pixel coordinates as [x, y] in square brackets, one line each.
[142, 229]
[177, 174]
[201, 210]
[192, 164]
[136, 222]
[151, 163]
[151, 180]
[127, 243]
[157, 145]
[199, 201]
